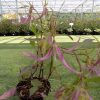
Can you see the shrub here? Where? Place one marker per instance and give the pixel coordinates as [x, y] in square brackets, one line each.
[23, 29]
[7, 27]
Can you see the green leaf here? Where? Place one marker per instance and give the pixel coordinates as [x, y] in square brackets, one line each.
[32, 42]
[88, 43]
[94, 79]
[25, 72]
[33, 28]
[37, 34]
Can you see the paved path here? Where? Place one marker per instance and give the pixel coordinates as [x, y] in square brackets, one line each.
[22, 39]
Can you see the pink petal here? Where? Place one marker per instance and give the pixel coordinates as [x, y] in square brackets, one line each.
[30, 55]
[75, 95]
[41, 58]
[96, 70]
[8, 94]
[22, 20]
[91, 98]
[75, 45]
[59, 93]
[45, 10]
[46, 56]
[61, 57]
[25, 20]
[49, 39]
[28, 19]
[97, 62]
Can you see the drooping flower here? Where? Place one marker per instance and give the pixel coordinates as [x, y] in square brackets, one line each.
[30, 17]
[73, 48]
[8, 94]
[94, 68]
[77, 92]
[59, 93]
[44, 12]
[80, 94]
[53, 51]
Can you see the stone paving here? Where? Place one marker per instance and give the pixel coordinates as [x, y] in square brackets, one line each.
[23, 39]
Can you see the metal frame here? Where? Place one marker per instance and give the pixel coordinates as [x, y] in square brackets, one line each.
[63, 5]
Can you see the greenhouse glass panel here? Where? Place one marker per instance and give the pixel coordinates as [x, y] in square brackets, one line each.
[62, 6]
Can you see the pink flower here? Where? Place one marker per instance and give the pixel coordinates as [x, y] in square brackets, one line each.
[80, 94]
[30, 17]
[25, 20]
[8, 94]
[94, 69]
[59, 93]
[73, 48]
[54, 50]
[77, 93]
[45, 11]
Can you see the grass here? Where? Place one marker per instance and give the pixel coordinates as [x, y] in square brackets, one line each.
[11, 59]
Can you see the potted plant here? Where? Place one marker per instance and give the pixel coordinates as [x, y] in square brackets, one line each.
[35, 81]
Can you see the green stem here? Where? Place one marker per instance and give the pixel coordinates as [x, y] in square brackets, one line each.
[41, 66]
[40, 22]
[51, 66]
[78, 61]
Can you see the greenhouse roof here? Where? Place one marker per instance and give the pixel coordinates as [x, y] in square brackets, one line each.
[22, 6]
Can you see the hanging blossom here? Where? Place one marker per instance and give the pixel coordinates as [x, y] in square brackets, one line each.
[30, 17]
[80, 94]
[59, 93]
[8, 94]
[44, 12]
[73, 48]
[94, 69]
[53, 51]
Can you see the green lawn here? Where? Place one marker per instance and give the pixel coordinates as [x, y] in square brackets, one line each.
[11, 59]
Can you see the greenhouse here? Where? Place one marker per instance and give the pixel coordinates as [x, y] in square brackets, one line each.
[49, 49]
[84, 14]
